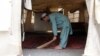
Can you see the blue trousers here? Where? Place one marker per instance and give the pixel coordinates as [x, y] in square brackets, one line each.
[64, 36]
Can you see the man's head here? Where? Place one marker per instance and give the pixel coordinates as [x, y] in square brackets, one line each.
[45, 17]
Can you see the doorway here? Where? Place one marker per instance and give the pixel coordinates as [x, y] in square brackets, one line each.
[37, 32]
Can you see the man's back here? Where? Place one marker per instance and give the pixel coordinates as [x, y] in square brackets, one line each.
[59, 18]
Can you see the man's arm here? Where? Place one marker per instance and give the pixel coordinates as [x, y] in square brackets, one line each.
[54, 25]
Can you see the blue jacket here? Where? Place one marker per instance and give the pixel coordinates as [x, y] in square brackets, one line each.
[59, 20]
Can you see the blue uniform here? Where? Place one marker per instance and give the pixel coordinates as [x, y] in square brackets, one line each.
[58, 20]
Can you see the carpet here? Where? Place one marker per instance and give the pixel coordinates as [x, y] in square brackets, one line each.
[32, 41]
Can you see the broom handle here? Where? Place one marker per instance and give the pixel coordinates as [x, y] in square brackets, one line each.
[46, 44]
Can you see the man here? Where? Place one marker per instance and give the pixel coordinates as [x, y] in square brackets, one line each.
[58, 20]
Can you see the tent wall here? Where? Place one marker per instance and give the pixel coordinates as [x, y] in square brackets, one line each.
[10, 41]
[93, 39]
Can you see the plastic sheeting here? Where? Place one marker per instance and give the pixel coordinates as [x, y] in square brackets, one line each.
[5, 15]
[97, 10]
[10, 41]
[93, 39]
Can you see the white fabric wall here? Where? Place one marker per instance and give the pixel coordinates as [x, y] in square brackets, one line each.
[5, 17]
[93, 39]
[97, 10]
[10, 41]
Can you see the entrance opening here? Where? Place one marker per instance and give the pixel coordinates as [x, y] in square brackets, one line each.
[36, 32]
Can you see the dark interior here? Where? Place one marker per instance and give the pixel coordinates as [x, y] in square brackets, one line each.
[77, 40]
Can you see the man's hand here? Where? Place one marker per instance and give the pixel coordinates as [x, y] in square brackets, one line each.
[54, 38]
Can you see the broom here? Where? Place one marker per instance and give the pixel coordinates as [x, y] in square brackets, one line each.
[46, 44]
